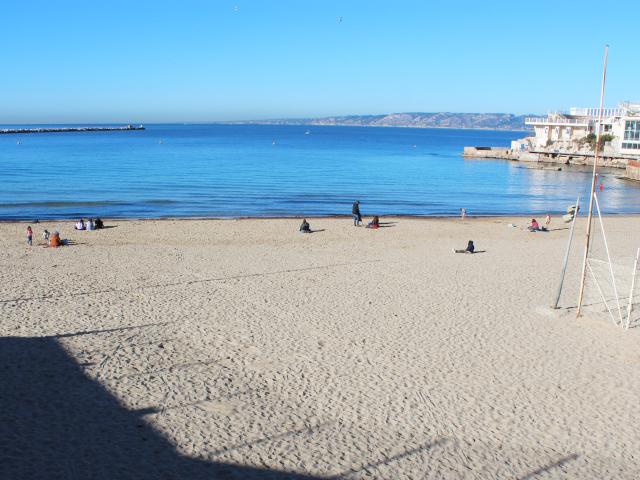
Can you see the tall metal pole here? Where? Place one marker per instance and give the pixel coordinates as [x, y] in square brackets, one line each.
[633, 284]
[593, 182]
[566, 254]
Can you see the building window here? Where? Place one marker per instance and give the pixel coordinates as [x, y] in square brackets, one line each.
[632, 130]
[631, 146]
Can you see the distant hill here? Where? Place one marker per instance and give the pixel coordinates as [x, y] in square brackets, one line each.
[486, 121]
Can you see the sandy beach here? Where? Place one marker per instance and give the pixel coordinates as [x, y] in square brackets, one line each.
[188, 349]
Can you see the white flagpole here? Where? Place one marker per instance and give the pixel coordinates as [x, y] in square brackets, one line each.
[593, 182]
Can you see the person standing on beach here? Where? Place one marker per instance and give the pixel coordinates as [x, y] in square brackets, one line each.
[355, 210]
[547, 220]
[29, 236]
[463, 213]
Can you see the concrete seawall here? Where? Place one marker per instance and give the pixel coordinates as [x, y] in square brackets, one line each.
[633, 170]
[543, 156]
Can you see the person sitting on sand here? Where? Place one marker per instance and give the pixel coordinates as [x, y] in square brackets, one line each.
[54, 239]
[45, 235]
[304, 227]
[470, 248]
[98, 224]
[90, 224]
[80, 225]
[375, 223]
[534, 226]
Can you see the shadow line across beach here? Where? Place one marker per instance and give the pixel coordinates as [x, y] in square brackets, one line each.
[56, 422]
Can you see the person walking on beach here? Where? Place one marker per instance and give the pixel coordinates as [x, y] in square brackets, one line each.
[29, 236]
[355, 210]
[463, 213]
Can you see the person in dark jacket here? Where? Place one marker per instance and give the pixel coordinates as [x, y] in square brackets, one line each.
[470, 248]
[304, 227]
[355, 210]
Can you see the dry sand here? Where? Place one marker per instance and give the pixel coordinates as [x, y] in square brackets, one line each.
[244, 349]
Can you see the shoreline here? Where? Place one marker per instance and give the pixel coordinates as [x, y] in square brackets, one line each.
[318, 217]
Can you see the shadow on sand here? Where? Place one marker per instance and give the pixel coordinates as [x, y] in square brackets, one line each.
[55, 422]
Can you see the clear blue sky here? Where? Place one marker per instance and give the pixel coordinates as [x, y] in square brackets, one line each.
[155, 61]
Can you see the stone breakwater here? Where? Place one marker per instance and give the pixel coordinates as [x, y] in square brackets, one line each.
[628, 163]
[69, 129]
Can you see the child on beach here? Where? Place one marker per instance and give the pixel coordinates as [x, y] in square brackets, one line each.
[29, 236]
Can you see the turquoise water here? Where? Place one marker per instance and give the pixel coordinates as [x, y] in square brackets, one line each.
[249, 170]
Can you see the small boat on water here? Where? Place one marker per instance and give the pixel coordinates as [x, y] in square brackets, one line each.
[308, 132]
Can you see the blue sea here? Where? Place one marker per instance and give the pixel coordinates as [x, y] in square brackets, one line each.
[257, 170]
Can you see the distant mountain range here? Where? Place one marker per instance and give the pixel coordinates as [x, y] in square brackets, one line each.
[486, 121]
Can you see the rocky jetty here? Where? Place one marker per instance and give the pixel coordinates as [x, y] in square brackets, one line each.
[69, 129]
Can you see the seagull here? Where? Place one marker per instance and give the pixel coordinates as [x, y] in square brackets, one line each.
[339, 19]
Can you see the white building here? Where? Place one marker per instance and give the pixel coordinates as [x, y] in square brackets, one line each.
[562, 131]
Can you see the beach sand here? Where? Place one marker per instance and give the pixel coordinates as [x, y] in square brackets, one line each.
[243, 349]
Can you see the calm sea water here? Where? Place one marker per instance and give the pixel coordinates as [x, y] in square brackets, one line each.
[248, 170]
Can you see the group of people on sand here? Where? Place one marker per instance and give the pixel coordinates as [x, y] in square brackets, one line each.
[50, 239]
[53, 239]
[357, 219]
[91, 224]
[534, 226]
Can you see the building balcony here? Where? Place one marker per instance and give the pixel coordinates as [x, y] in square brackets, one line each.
[594, 113]
[575, 122]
